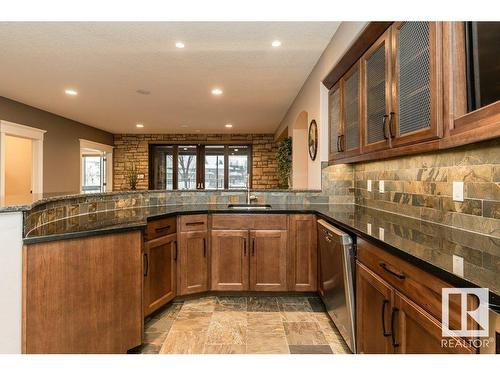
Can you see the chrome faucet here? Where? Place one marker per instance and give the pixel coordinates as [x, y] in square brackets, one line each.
[250, 198]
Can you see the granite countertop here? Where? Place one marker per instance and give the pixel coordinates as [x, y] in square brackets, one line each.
[428, 245]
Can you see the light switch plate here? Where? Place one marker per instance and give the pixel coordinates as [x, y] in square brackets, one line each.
[369, 185]
[369, 228]
[381, 233]
[140, 176]
[381, 186]
[458, 191]
[458, 265]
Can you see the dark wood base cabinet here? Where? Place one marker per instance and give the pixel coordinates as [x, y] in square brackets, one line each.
[83, 295]
[397, 310]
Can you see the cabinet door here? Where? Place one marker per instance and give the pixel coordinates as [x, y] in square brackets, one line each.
[268, 260]
[417, 332]
[351, 113]
[417, 98]
[334, 123]
[229, 260]
[374, 302]
[303, 254]
[193, 262]
[376, 94]
[159, 272]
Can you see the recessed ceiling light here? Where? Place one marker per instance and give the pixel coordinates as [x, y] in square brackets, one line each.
[235, 150]
[228, 125]
[217, 91]
[276, 43]
[71, 92]
[139, 125]
[179, 45]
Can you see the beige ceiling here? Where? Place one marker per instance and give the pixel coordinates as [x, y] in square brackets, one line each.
[108, 62]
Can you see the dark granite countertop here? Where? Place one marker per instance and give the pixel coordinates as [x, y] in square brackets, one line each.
[428, 245]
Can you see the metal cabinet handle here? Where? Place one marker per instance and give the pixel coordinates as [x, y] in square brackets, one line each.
[386, 334]
[400, 276]
[146, 262]
[391, 115]
[161, 229]
[245, 247]
[175, 253]
[384, 126]
[393, 319]
[342, 138]
[338, 143]
[253, 246]
[204, 247]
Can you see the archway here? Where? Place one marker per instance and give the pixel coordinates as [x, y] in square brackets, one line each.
[300, 158]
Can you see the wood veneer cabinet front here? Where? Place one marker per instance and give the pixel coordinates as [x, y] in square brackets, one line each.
[399, 302]
[303, 253]
[230, 260]
[193, 259]
[160, 265]
[268, 260]
[83, 295]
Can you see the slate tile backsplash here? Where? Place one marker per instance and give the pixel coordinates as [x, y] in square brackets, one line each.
[421, 186]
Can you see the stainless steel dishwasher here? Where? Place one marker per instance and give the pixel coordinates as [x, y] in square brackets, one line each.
[336, 254]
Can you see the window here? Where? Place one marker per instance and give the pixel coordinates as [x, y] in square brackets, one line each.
[191, 167]
[93, 173]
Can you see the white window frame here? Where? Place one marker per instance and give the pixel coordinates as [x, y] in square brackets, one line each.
[107, 150]
[36, 136]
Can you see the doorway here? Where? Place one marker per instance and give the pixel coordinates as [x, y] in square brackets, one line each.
[95, 167]
[21, 162]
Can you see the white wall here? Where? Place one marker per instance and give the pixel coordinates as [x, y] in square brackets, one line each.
[11, 272]
[312, 96]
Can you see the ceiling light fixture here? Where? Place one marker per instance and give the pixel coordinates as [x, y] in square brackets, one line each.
[216, 91]
[139, 125]
[179, 45]
[71, 92]
[276, 43]
[228, 125]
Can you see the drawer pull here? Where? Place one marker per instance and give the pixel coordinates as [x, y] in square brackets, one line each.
[204, 248]
[161, 229]
[175, 254]
[386, 334]
[400, 276]
[146, 264]
[195, 223]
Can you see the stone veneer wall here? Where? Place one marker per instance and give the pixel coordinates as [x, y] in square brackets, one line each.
[133, 148]
[421, 186]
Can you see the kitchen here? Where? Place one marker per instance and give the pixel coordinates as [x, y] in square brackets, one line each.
[309, 188]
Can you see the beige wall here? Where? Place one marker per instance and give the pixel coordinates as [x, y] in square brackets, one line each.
[61, 150]
[312, 95]
[18, 166]
[300, 153]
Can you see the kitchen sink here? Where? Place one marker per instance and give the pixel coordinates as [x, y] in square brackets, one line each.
[244, 206]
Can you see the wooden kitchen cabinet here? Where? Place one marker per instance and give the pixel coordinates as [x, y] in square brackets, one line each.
[160, 264]
[373, 312]
[376, 96]
[268, 260]
[350, 140]
[334, 121]
[193, 262]
[303, 254]
[230, 260]
[416, 113]
[417, 332]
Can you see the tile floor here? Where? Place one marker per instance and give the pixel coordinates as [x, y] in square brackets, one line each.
[239, 325]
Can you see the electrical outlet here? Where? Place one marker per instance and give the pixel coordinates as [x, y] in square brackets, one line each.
[381, 186]
[458, 265]
[381, 234]
[369, 228]
[458, 191]
[369, 185]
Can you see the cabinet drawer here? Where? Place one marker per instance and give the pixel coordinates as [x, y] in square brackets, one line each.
[160, 227]
[250, 221]
[420, 286]
[190, 223]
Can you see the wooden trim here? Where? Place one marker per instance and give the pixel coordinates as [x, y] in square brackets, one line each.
[24, 310]
[368, 36]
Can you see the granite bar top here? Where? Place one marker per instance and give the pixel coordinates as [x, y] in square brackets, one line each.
[428, 245]
[28, 201]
